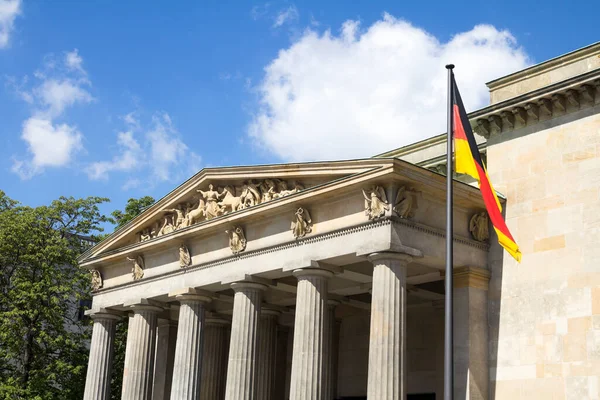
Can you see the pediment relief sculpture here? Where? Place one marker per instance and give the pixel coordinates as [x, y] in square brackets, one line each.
[478, 226]
[185, 259]
[96, 280]
[137, 269]
[211, 203]
[237, 239]
[376, 203]
[405, 204]
[302, 223]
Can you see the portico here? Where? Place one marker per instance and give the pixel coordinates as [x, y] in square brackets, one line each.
[339, 265]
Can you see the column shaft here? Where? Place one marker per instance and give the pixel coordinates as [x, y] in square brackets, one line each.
[387, 342]
[214, 360]
[166, 339]
[188, 351]
[242, 364]
[330, 381]
[471, 373]
[310, 336]
[97, 382]
[267, 342]
[139, 353]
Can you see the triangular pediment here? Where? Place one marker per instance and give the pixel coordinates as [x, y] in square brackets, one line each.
[215, 193]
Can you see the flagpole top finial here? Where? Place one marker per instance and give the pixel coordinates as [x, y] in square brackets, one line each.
[449, 66]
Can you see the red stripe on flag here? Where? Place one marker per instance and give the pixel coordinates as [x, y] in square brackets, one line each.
[490, 203]
[459, 130]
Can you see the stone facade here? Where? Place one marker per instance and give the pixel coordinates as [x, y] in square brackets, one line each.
[244, 283]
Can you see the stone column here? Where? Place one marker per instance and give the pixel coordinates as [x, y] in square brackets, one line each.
[387, 341]
[97, 382]
[310, 335]
[330, 382]
[166, 338]
[188, 351]
[281, 362]
[471, 368]
[267, 342]
[242, 364]
[139, 352]
[214, 359]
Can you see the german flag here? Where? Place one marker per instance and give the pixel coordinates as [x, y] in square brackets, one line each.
[468, 161]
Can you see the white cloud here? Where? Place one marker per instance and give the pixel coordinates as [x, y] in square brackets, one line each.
[73, 61]
[60, 86]
[131, 120]
[129, 158]
[285, 15]
[161, 152]
[259, 11]
[57, 94]
[166, 148]
[9, 10]
[363, 92]
[52, 145]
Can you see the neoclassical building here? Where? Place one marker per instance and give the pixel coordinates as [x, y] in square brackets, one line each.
[325, 280]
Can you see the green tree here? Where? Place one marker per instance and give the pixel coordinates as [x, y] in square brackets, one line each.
[133, 208]
[43, 343]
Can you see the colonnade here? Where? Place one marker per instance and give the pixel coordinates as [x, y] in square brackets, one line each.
[252, 345]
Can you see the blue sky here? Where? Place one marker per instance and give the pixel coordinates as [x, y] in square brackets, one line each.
[125, 99]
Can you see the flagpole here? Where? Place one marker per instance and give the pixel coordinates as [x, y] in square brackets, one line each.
[448, 312]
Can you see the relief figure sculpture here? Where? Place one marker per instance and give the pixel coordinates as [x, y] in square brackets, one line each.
[405, 204]
[302, 223]
[181, 221]
[137, 270]
[197, 214]
[237, 239]
[479, 227]
[230, 202]
[376, 203]
[96, 279]
[211, 196]
[214, 203]
[185, 259]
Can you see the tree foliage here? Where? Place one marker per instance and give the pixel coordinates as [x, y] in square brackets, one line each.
[133, 208]
[43, 343]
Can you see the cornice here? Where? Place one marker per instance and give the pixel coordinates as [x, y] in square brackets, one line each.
[538, 105]
[439, 233]
[537, 69]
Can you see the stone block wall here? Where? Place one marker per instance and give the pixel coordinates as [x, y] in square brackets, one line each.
[544, 313]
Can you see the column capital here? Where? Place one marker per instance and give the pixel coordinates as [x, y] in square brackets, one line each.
[244, 285]
[473, 277]
[333, 303]
[312, 272]
[267, 311]
[144, 305]
[103, 313]
[192, 295]
[214, 320]
[389, 255]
